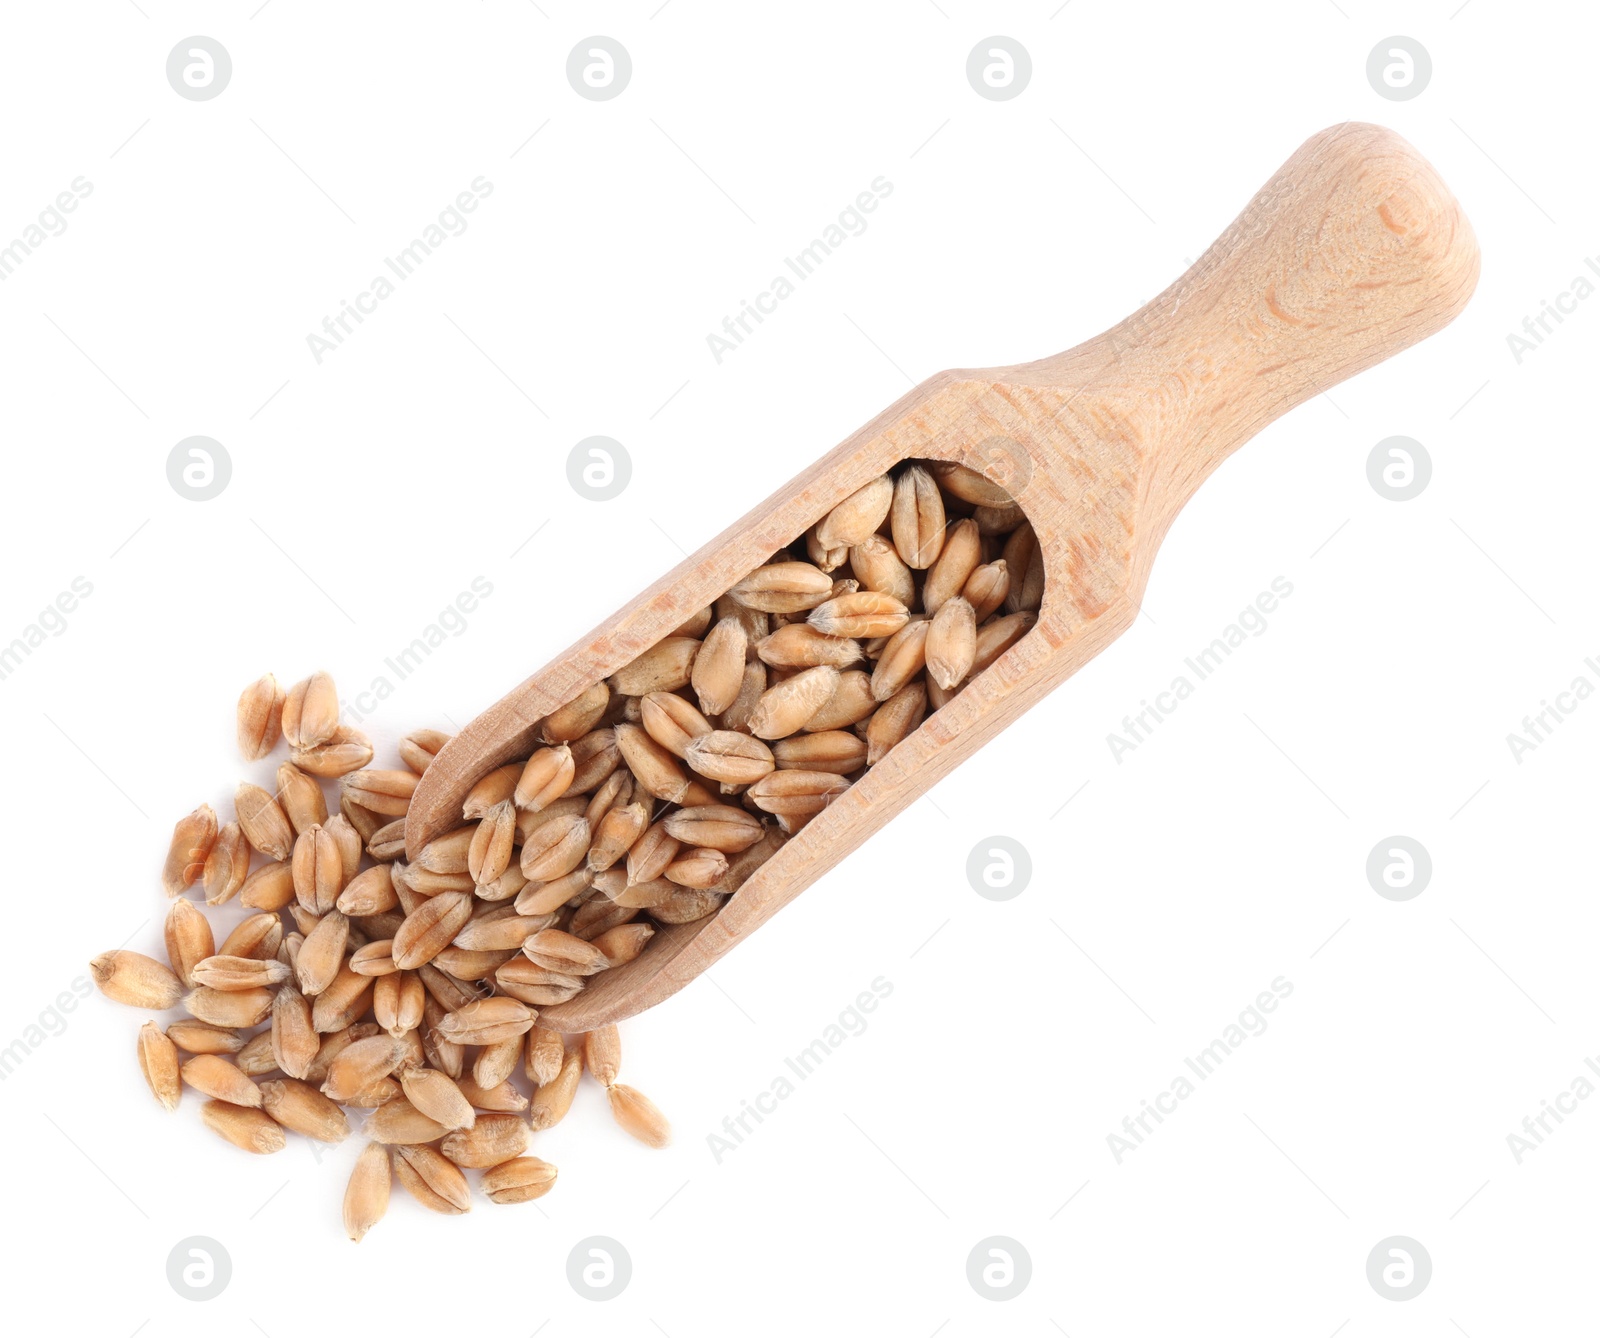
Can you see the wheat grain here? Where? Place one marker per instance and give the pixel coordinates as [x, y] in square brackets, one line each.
[251, 1130]
[366, 1197]
[518, 1181]
[572, 721]
[310, 711]
[192, 839]
[348, 750]
[638, 1115]
[264, 823]
[952, 642]
[205, 1038]
[260, 718]
[490, 1141]
[665, 667]
[916, 517]
[158, 1061]
[134, 979]
[432, 1179]
[215, 1076]
[301, 798]
[553, 1099]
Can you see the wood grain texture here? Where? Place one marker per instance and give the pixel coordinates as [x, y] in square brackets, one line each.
[1352, 252]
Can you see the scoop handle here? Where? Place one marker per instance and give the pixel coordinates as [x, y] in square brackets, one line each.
[1353, 251]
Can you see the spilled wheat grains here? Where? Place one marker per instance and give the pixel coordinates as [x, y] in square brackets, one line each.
[409, 992]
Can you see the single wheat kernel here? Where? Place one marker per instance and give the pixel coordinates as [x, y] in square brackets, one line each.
[269, 888]
[554, 849]
[188, 937]
[359, 1065]
[858, 516]
[260, 718]
[432, 1179]
[397, 1002]
[665, 667]
[429, 929]
[490, 852]
[963, 550]
[1018, 553]
[572, 721]
[495, 1063]
[894, 720]
[916, 518]
[835, 750]
[366, 1197]
[382, 791]
[518, 1181]
[544, 1055]
[204, 1038]
[698, 868]
[952, 642]
[786, 707]
[638, 1115]
[255, 936]
[418, 748]
[602, 1053]
[158, 1061]
[310, 711]
[866, 613]
[227, 865]
[343, 1002]
[437, 1097]
[370, 892]
[264, 823]
[986, 588]
[491, 1141]
[486, 1021]
[553, 1099]
[192, 839]
[134, 979]
[622, 943]
[296, 1044]
[969, 485]
[228, 973]
[716, 826]
[216, 1076]
[671, 720]
[301, 798]
[229, 1008]
[301, 1108]
[719, 667]
[348, 750]
[902, 660]
[251, 1130]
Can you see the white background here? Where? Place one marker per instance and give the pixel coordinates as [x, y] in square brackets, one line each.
[369, 490]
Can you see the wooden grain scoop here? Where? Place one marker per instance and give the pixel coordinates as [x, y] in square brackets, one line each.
[1352, 252]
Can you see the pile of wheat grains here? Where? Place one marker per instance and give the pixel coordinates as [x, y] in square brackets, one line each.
[411, 990]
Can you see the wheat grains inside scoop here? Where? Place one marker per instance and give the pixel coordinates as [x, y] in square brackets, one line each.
[408, 993]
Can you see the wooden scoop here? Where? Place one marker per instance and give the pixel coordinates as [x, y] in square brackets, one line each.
[1353, 251]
